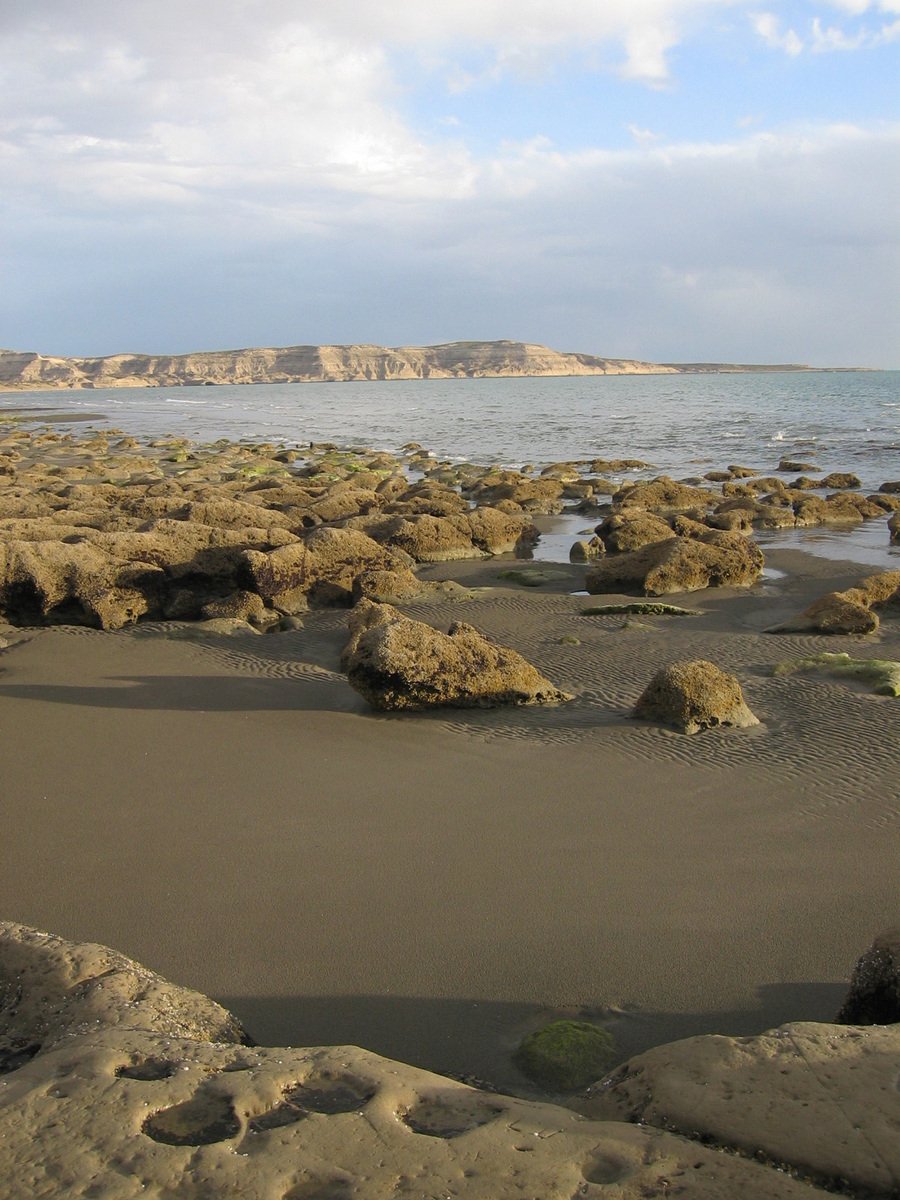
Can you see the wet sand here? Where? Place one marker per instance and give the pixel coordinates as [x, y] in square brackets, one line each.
[229, 812]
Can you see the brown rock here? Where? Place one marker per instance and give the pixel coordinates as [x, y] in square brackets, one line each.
[840, 479]
[625, 531]
[695, 695]
[680, 565]
[850, 611]
[397, 663]
[663, 495]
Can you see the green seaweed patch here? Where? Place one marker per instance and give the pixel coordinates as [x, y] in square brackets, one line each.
[640, 608]
[884, 673]
[566, 1055]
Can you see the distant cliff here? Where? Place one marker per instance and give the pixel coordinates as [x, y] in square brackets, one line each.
[301, 364]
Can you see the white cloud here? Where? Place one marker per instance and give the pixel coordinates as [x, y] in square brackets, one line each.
[768, 26]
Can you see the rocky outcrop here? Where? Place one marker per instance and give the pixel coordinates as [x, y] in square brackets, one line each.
[680, 564]
[815, 1099]
[692, 696]
[292, 364]
[116, 1082]
[397, 663]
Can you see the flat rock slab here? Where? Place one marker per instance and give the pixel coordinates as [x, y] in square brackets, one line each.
[821, 1099]
[121, 1114]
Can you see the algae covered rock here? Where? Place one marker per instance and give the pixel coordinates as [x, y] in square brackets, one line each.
[883, 673]
[695, 695]
[397, 663]
[566, 1055]
[874, 996]
[680, 564]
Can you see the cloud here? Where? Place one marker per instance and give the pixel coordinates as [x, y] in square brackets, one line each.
[823, 39]
[768, 26]
[180, 176]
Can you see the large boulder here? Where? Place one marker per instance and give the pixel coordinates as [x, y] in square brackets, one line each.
[680, 564]
[874, 996]
[398, 663]
[692, 696]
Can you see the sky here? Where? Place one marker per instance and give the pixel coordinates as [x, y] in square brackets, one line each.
[670, 180]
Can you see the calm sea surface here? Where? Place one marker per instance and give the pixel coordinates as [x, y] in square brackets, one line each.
[683, 425]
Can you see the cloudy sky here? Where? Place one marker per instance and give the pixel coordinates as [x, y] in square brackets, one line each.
[663, 179]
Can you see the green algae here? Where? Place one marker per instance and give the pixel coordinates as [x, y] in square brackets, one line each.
[566, 1055]
[884, 673]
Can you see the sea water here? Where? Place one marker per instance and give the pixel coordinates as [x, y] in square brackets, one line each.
[681, 425]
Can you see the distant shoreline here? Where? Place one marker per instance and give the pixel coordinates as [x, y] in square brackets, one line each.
[28, 371]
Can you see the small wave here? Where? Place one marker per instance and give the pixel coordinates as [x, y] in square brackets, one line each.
[180, 400]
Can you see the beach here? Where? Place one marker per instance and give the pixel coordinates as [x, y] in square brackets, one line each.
[230, 812]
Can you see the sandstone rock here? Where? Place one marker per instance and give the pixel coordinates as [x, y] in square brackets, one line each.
[680, 565]
[624, 531]
[874, 996]
[52, 990]
[840, 479]
[663, 495]
[892, 486]
[818, 1099]
[78, 584]
[586, 550]
[894, 528]
[323, 566]
[692, 696]
[118, 1083]
[240, 606]
[848, 612]
[397, 663]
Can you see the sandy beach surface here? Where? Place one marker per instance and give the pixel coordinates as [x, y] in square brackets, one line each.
[231, 813]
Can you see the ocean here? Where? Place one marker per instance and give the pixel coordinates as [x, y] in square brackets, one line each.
[681, 425]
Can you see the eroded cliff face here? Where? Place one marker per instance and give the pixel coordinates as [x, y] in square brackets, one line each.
[300, 364]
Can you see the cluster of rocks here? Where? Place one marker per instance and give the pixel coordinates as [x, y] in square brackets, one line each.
[115, 1082]
[106, 533]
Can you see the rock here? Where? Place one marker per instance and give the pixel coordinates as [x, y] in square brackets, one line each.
[397, 663]
[874, 996]
[847, 612]
[52, 990]
[663, 495]
[323, 566]
[566, 1056]
[586, 550]
[624, 531]
[840, 479]
[883, 673]
[74, 583]
[117, 1083]
[240, 606]
[894, 528]
[680, 565]
[816, 1099]
[389, 587]
[695, 695]
[791, 464]
[892, 486]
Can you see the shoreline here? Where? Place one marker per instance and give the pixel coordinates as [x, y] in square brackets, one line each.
[229, 811]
